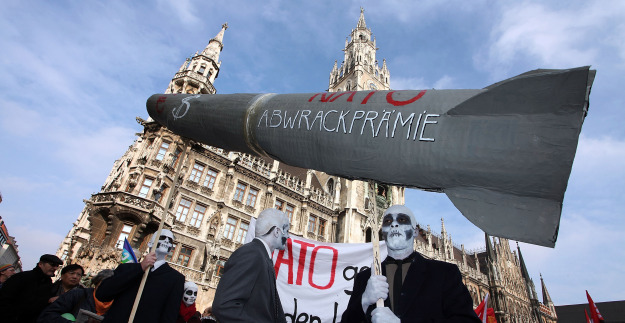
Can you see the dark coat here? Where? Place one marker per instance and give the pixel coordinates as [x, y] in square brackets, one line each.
[69, 302]
[160, 300]
[194, 319]
[247, 290]
[57, 288]
[24, 295]
[432, 292]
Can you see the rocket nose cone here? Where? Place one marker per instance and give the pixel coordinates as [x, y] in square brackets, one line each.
[156, 107]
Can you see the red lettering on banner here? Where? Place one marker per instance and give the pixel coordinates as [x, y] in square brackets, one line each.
[349, 99]
[367, 97]
[335, 255]
[389, 98]
[288, 261]
[302, 260]
[161, 99]
[324, 96]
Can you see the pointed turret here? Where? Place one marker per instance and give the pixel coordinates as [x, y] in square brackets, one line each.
[546, 297]
[215, 45]
[531, 289]
[361, 20]
[489, 248]
[524, 272]
[184, 65]
[197, 74]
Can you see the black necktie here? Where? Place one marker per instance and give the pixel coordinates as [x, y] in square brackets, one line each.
[397, 282]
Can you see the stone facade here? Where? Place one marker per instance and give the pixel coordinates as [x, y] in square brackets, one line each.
[216, 193]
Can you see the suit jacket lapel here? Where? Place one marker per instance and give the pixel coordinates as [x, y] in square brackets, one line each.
[275, 299]
[412, 283]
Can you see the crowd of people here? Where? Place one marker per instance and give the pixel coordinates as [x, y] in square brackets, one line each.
[31, 296]
[412, 287]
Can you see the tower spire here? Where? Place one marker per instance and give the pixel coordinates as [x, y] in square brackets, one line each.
[546, 297]
[216, 44]
[361, 20]
[531, 289]
[197, 74]
[360, 70]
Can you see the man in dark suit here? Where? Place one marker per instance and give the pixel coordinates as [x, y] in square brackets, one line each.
[415, 289]
[160, 300]
[247, 290]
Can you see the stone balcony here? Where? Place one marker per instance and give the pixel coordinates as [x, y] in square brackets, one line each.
[145, 208]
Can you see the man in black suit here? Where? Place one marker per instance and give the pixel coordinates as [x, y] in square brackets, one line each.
[160, 300]
[247, 290]
[415, 289]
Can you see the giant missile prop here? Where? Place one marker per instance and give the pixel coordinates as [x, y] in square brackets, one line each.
[502, 154]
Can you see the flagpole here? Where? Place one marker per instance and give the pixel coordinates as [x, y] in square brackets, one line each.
[158, 232]
[375, 238]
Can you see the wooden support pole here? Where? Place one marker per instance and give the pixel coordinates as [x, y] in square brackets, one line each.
[375, 238]
[158, 232]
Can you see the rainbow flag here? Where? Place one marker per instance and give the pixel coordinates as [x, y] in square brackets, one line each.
[128, 255]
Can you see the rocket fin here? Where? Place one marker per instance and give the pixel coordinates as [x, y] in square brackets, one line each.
[522, 218]
[535, 92]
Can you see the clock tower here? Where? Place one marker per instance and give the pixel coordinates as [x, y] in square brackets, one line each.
[359, 70]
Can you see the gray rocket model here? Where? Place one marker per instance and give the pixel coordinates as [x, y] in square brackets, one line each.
[502, 154]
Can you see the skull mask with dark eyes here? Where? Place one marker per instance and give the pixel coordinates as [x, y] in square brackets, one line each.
[165, 243]
[190, 293]
[398, 230]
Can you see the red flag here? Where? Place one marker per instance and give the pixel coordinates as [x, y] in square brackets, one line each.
[490, 318]
[484, 313]
[482, 310]
[594, 311]
[587, 319]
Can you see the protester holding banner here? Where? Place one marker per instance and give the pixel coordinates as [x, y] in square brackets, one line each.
[162, 292]
[247, 290]
[415, 289]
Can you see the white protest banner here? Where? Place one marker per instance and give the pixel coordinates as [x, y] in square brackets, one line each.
[315, 279]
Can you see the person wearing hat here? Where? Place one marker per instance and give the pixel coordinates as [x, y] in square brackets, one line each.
[26, 294]
[6, 271]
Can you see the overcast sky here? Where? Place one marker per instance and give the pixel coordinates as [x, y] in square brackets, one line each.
[75, 74]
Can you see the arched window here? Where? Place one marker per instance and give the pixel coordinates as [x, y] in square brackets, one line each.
[330, 186]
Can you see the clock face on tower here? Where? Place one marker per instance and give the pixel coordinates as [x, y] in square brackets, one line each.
[372, 86]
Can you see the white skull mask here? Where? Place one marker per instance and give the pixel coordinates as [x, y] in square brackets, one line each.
[398, 228]
[269, 219]
[190, 293]
[165, 243]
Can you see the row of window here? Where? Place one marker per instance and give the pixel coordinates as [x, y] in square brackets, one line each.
[234, 225]
[183, 211]
[316, 225]
[242, 190]
[198, 171]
